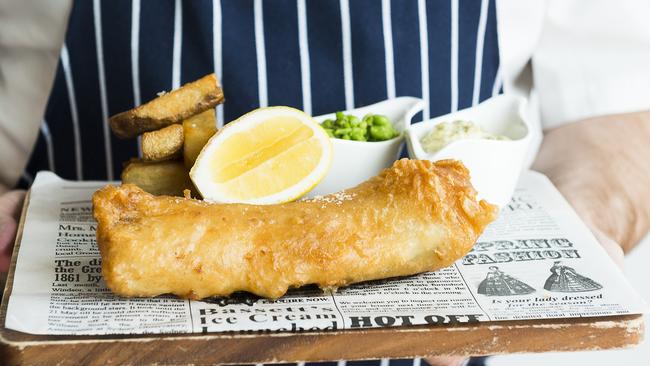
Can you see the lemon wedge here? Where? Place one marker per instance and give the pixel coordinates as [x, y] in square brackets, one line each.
[270, 155]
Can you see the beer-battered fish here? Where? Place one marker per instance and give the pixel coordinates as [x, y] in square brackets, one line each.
[416, 216]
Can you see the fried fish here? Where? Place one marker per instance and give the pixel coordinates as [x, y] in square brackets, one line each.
[414, 217]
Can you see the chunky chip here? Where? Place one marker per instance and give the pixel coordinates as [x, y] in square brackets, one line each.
[163, 144]
[159, 178]
[169, 108]
[197, 130]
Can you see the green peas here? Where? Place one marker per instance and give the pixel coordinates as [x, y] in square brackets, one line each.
[378, 120]
[341, 132]
[381, 133]
[359, 134]
[370, 128]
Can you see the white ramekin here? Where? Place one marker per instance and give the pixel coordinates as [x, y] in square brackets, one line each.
[356, 161]
[494, 165]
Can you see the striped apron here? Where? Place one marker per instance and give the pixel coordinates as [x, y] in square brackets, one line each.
[318, 56]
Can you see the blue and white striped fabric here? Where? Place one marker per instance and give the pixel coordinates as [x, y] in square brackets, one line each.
[319, 56]
[477, 361]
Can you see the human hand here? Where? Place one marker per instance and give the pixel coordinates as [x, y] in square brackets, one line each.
[600, 166]
[10, 206]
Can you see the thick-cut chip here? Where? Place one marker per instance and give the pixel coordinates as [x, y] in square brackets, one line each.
[197, 131]
[169, 108]
[159, 178]
[163, 144]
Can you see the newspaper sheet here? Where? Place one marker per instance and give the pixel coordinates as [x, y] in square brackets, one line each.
[538, 260]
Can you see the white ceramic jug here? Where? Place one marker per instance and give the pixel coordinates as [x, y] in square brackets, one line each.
[354, 162]
[494, 165]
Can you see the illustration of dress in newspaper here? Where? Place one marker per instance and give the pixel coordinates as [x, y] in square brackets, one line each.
[498, 283]
[566, 279]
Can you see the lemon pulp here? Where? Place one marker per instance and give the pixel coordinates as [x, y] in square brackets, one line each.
[249, 165]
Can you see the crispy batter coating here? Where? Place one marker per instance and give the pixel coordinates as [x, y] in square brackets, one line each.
[169, 108]
[414, 217]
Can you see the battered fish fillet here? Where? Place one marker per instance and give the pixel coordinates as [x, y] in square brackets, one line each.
[414, 217]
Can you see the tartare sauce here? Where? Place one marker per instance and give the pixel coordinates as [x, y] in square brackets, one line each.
[447, 132]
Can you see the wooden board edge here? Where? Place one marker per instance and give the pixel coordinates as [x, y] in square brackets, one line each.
[559, 335]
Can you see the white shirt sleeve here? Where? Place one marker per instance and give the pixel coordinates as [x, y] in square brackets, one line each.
[588, 57]
[31, 35]
[593, 58]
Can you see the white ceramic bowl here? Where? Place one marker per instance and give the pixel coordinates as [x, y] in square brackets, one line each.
[356, 161]
[494, 165]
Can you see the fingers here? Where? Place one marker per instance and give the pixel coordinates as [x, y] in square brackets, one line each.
[10, 206]
[8, 228]
[11, 203]
[446, 361]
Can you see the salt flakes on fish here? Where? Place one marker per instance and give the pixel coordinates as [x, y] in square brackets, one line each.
[336, 198]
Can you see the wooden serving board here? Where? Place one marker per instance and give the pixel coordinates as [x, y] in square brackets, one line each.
[17, 348]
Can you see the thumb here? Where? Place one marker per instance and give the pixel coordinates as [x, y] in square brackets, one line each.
[7, 234]
[10, 204]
